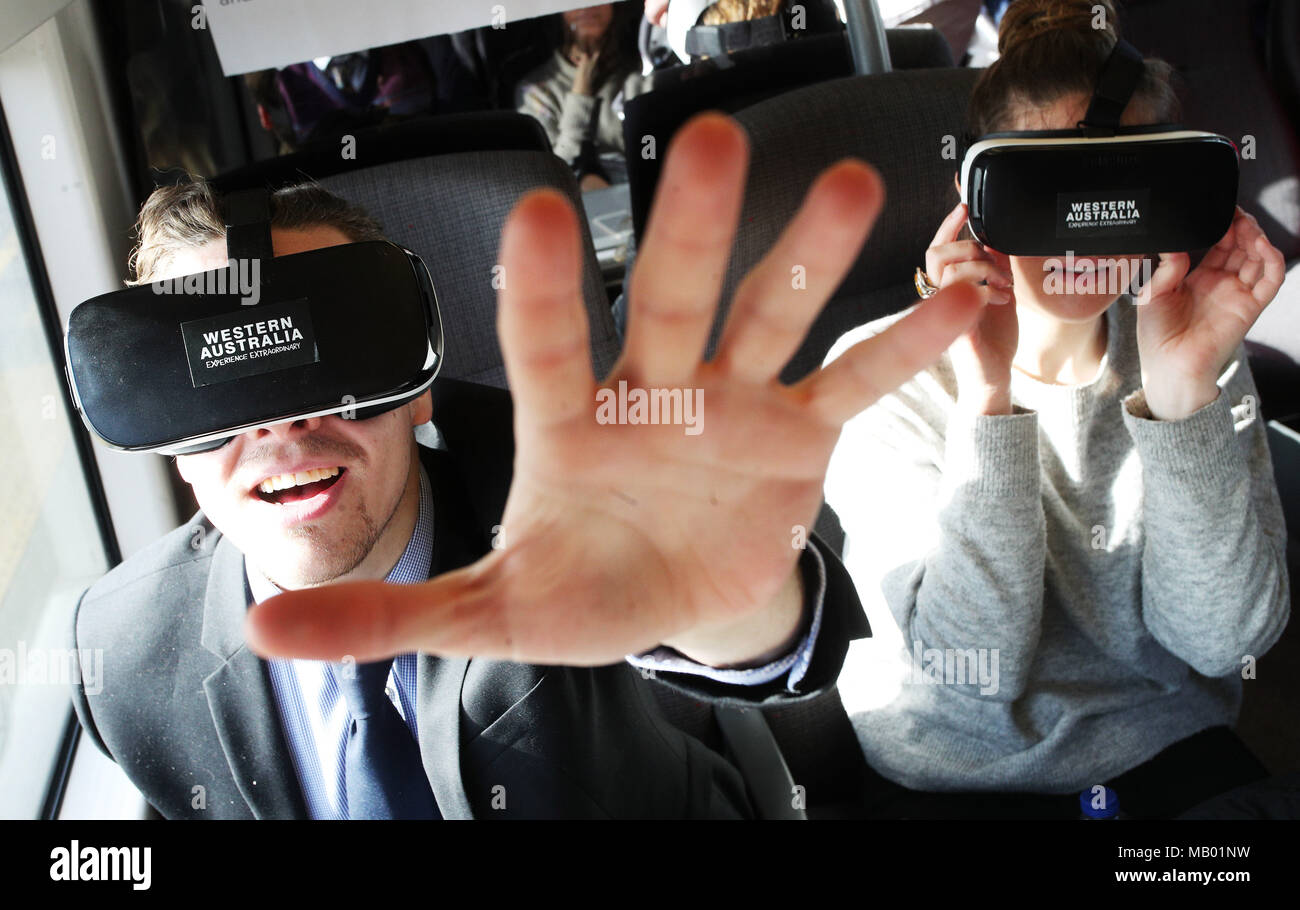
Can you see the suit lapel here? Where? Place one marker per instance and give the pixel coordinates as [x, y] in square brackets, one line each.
[457, 541]
[438, 703]
[241, 700]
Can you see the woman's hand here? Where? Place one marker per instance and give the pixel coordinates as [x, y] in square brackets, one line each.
[585, 60]
[982, 356]
[1189, 325]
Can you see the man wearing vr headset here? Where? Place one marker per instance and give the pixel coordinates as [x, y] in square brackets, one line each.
[510, 695]
[1084, 514]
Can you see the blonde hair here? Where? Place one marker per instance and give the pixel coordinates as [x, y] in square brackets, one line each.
[189, 214]
[724, 12]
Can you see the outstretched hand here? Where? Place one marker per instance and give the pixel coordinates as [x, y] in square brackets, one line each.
[619, 536]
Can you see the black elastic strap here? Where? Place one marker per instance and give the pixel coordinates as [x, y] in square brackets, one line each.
[1116, 83]
[248, 224]
[719, 40]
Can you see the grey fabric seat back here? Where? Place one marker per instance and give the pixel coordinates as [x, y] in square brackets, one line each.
[1227, 89]
[907, 124]
[449, 210]
[743, 79]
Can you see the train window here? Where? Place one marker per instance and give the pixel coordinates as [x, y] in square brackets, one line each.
[50, 547]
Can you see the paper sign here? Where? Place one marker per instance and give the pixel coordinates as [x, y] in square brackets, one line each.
[263, 34]
[19, 17]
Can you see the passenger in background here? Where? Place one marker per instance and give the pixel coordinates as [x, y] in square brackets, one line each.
[578, 94]
[1077, 503]
[322, 100]
[695, 17]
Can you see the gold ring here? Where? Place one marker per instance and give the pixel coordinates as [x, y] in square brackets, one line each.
[923, 285]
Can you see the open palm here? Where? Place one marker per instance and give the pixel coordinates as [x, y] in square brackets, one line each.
[618, 536]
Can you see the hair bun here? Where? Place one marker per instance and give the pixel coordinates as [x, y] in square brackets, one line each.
[1025, 20]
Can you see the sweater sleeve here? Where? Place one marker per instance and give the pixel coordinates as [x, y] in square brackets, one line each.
[1214, 577]
[566, 117]
[576, 124]
[944, 525]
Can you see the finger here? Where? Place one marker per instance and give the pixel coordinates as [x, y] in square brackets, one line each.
[454, 614]
[1246, 260]
[541, 319]
[1001, 260]
[938, 257]
[1236, 259]
[974, 272]
[1167, 276]
[1218, 254]
[778, 299]
[875, 367]
[1251, 270]
[675, 284]
[1274, 274]
[951, 227]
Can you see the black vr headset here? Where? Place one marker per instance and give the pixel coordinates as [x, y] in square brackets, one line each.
[184, 365]
[1101, 189]
[690, 40]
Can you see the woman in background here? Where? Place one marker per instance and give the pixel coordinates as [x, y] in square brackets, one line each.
[578, 93]
[1084, 513]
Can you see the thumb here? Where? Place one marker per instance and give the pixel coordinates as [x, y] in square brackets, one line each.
[459, 613]
[1168, 276]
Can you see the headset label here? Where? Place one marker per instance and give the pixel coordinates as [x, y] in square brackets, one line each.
[1101, 214]
[235, 345]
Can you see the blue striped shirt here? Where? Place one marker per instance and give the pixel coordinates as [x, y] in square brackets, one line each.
[312, 711]
[315, 718]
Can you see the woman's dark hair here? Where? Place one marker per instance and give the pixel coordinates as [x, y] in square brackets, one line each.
[1050, 49]
[618, 48]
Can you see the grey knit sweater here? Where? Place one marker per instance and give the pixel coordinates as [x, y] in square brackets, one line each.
[1059, 593]
[547, 94]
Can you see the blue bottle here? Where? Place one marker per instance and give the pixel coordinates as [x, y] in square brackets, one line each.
[1099, 803]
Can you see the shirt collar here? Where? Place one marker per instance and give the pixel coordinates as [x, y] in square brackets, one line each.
[411, 568]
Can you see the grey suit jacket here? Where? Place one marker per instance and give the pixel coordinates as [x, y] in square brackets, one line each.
[187, 710]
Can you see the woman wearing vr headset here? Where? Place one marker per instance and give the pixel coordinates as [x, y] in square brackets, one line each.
[1086, 552]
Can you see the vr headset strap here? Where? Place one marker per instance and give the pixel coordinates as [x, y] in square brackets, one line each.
[720, 40]
[248, 224]
[1115, 86]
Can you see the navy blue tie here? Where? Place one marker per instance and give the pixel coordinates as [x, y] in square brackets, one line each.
[385, 776]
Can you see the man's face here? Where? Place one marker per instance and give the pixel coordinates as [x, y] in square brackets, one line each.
[351, 504]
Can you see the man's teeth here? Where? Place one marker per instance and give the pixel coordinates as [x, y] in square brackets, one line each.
[285, 481]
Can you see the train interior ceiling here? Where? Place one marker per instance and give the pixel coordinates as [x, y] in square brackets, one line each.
[105, 100]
